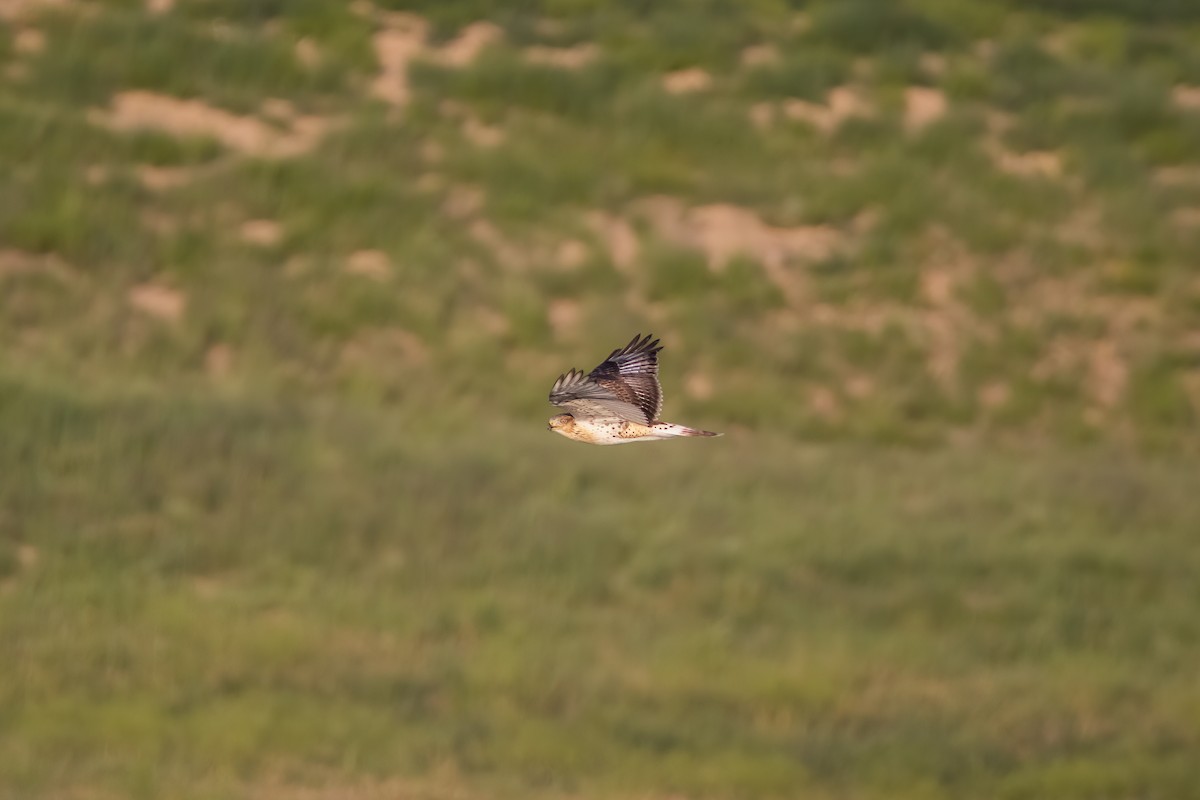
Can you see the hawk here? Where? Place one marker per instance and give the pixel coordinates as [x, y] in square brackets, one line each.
[617, 402]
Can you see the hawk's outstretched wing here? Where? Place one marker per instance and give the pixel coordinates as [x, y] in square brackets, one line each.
[625, 385]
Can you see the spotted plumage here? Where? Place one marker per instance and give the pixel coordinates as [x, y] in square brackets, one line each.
[617, 402]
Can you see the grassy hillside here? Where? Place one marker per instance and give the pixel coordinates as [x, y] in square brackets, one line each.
[885, 221]
[283, 286]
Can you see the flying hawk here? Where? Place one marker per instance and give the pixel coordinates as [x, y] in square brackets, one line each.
[617, 402]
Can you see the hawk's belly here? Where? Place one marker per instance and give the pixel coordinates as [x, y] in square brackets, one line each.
[602, 431]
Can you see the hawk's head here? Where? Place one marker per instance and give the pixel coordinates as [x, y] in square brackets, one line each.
[562, 423]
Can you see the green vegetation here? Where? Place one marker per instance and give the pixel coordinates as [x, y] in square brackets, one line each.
[283, 286]
[1049, 159]
[212, 597]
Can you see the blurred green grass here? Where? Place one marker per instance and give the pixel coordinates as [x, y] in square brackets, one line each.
[202, 594]
[278, 512]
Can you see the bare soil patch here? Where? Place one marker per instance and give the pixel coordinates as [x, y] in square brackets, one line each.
[159, 179]
[571, 254]
[618, 236]
[563, 315]
[141, 110]
[29, 41]
[261, 232]
[1186, 97]
[404, 37]
[373, 264]
[1036, 163]
[922, 106]
[158, 301]
[463, 201]
[18, 262]
[687, 80]
[481, 134]
[402, 40]
[218, 360]
[15, 9]
[759, 54]
[470, 42]
[722, 232]
[841, 103]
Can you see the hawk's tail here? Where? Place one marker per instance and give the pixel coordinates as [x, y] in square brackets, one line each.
[671, 429]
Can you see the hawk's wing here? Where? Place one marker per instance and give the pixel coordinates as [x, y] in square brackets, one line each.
[625, 385]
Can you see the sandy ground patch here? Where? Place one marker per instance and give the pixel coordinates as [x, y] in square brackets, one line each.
[1034, 164]
[1191, 387]
[618, 237]
[994, 395]
[933, 63]
[859, 385]
[141, 110]
[757, 55]
[261, 232]
[506, 253]
[1186, 218]
[1098, 365]
[158, 301]
[922, 106]
[1108, 374]
[841, 103]
[463, 201]
[571, 254]
[402, 40]
[684, 81]
[946, 323]
[470, 42]
[563, 316]
[404, 37]
[1178, 175]
[761, 115]
[160, 179]
[15, 9]
[307, 52]
[824, 403]
[699, 385]
[29, 41]
[218, 360]
[372, 264]
[473, 129]
[18, 262]
[481, 134]
[1186, 97]
[721, 232]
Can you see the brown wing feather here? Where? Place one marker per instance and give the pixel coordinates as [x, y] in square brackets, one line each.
[631, 374]
[624, 385]
[583, 397]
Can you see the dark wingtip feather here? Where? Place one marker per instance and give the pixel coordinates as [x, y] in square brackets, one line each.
[638, 344]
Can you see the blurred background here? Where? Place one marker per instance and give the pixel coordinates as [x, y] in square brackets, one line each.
[284, 285]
